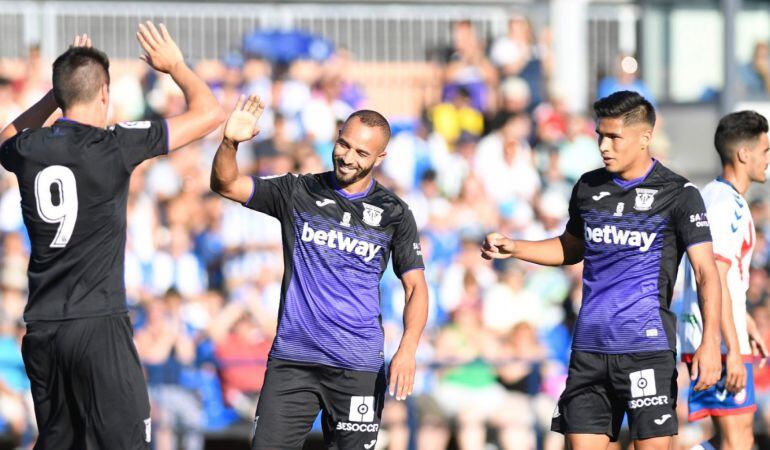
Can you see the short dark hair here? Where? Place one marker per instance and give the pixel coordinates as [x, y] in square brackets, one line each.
[78, 74]
[736, 128]
[372, 119]
[627, 105]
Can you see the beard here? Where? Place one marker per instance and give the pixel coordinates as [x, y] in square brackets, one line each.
[349, 177]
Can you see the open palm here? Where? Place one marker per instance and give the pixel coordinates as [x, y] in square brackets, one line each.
[242, 123]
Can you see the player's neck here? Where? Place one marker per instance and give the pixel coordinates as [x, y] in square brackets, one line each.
[86, 115]
[638, 170]
[736, 180]
[354, 188]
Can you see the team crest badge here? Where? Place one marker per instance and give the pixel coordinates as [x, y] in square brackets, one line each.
[372, 215]
[644, 199]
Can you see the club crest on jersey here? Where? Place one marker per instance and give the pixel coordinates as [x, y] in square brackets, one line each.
[644, 199]
[372, 215]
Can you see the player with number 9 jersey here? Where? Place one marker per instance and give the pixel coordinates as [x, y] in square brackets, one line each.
[87, 382]
[73, 180]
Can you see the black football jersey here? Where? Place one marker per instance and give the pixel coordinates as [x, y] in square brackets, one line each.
[635, 233]
[336, 247]
[74, 181]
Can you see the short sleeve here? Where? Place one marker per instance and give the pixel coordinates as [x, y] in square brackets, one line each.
[575, 222]
[407, 253]
[720, 217]
[139, 141]
[690, 218]
[272, 195]
[9, 153]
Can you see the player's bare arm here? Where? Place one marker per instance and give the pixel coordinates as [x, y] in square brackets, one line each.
[758, 346]
[736, 370]
[204, 114]
[37, 114]
[241, 126]
[402, 367]
[706, 363]
[559, 251]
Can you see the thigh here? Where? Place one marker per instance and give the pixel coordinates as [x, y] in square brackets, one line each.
[352, 407]
[108, 382]
[57, 426]
[288, 405]
[587, 406]
[645, 383]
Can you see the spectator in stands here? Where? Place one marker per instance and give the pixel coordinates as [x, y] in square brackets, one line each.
[242, 357]
[755, 75]
[467, 66]
[16, 411]
[166, 349]
[624, 78]
[451, 118]
[505, 159]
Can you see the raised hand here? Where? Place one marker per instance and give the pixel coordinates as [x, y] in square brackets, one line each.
[161, 52]
[81, 40]
[242, 123]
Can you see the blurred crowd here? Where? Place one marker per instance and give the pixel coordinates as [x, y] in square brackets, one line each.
[497, 151]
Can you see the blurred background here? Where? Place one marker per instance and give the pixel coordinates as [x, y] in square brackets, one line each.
[490, 106]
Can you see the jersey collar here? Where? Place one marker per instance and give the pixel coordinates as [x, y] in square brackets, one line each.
[342, 192]
[68, 121]
[628, 184]
[722, 180]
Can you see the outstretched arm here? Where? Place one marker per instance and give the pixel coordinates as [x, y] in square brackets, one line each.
[563, 250]
[403, 365]
[204, 114]
[241, 126]
[37, 114]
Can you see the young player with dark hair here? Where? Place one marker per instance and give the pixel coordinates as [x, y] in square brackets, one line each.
[630, 223]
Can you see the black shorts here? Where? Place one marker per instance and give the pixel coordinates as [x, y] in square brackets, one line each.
[87, 384]
[601, 388]
[295, 392]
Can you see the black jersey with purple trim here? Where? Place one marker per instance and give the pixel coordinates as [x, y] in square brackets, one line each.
[73, 180]
[635, 233]
[336, 247]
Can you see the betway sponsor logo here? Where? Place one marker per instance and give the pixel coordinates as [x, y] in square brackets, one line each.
[358, 427]
[648, 401]
[610, 234]
[335, 239]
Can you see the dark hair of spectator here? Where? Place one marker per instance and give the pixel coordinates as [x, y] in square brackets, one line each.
[372, 119]
[78, 75]
[735, 129]
[627, 105]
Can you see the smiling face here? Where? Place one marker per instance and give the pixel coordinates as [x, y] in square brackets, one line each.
[358, 150]
[623, 146]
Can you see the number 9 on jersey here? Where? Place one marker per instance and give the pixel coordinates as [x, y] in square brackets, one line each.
[65, 212]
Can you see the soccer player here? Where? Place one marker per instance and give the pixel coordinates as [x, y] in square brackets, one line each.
[87, 383]
[339, 230]
[629, 222]
[742, 144]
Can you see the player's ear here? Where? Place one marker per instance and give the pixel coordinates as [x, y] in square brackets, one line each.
[379, 158]
[742, 154]
[104, 94]
[646, 137]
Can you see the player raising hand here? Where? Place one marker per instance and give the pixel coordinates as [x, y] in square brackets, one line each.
[87, 383]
